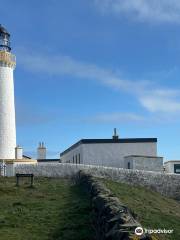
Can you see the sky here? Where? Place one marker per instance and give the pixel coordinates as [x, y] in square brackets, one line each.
[87, 66]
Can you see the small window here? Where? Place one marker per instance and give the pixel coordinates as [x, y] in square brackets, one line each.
[129, 166]
[79, 158]
[177, 168]
[76, 160]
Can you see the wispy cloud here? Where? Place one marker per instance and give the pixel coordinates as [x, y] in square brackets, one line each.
[132, 118]
[151, 97]
[160, 104]
[161, 100]
[66, 65]
[116, 118]
[143, 10]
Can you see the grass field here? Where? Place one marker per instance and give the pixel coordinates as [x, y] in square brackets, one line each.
[153, 210]
[53, 209]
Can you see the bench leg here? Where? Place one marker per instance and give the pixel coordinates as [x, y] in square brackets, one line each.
[17, 181]
[32, 181]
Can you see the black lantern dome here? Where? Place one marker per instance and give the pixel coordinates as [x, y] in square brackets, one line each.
[4, 39]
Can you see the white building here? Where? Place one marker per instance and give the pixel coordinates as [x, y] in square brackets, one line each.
[172, 166]
[146, 163]
[108, 152]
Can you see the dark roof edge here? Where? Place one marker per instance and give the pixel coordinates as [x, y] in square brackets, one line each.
[147, 156]
[172, 161]
[48, 160]
[120, 140]
[25, 156]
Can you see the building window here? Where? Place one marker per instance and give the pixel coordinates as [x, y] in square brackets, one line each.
[76, 160]
[129, 166]
[73, 159]
[79, 158]
[177, 168]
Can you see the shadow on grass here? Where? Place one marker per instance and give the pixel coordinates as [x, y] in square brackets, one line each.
[75, 220]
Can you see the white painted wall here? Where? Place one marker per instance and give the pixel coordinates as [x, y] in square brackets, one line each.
[110, 154]
[145, 163]
[169, 166]
[2, 168]
[68, 157]
[7, 113]
[10, 170]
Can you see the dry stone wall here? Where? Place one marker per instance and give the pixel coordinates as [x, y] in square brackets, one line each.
[166, 184]
[112, 219]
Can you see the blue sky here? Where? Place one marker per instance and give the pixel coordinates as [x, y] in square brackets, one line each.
[87, 66]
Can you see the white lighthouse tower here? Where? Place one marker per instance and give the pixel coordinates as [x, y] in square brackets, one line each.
[7, 108]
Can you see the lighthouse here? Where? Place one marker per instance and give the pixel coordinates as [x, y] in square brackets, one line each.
[7, 106]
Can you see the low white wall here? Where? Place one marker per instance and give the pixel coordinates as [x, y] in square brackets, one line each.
[10, 171]
[166, 184]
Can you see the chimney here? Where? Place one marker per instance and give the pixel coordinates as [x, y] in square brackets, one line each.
[18, 152]
[41, 151]
[115, 136]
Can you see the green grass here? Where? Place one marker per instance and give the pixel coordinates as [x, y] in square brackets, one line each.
[153, 210]
[53, 209]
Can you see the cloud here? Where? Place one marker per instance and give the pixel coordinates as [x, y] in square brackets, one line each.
[143, 10]
[66, 65]
[160, 104]
[161, 101]
[151, 97]
[116, 118]
[132, 118]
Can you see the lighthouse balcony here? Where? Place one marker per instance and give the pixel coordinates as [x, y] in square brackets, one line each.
[7, 59]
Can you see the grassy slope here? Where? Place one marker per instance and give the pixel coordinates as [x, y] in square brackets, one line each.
[54, 209]
[153, 210]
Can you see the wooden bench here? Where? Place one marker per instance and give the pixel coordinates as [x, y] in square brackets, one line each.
[29, 175]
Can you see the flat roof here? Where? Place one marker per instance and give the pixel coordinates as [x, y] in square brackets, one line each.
[172, 161]
[48, 160]
[147, 156]
[110, 140]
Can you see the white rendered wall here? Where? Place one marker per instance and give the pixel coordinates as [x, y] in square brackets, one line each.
[10, 170]
[145, 163]
[169, 166]
[7, 114]
[68, 157]
[110, 154]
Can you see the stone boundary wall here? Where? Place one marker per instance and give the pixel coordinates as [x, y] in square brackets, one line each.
[166, 184]
[111, 219]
